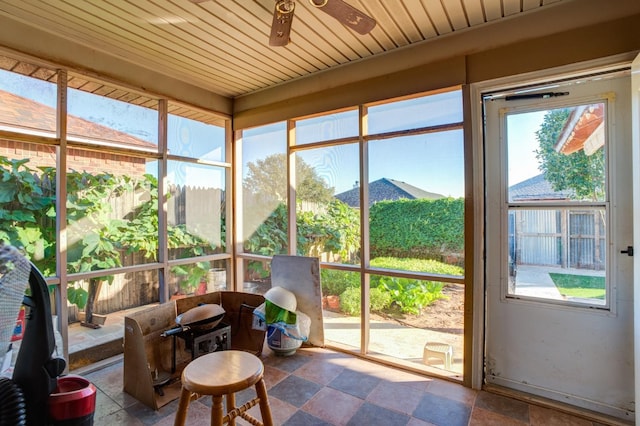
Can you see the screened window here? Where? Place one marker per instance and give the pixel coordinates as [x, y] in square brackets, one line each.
[327, 202]
[111, 217]
[264, 190]
[195, 209]
[28, 201]
[106, 120]
[426, 111]
[416, 199]
[28, 104]
[327, 127]
[192, 138]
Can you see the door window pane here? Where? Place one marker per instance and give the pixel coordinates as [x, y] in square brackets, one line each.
[558, 254]
[558, 156]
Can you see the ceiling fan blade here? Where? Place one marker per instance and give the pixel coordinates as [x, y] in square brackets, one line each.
[348, 15]
[281, 24]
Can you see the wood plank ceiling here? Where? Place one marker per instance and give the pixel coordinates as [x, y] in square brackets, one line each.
[222, 45]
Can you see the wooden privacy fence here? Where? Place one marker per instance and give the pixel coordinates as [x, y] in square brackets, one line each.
[567, 238]
[126, 291]
[199, 210]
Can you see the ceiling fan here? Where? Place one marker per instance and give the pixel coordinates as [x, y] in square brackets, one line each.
[346, 14]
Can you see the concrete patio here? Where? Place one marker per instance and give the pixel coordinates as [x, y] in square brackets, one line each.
[389, 341]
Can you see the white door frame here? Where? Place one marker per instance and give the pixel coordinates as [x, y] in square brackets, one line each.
[477, 131]
[635, 146]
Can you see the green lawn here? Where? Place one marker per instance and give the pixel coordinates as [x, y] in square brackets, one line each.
[417, 265]
[584, 286]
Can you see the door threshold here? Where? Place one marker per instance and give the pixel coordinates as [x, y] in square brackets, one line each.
[593, 416]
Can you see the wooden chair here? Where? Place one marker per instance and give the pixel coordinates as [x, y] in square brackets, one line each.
[224, 373]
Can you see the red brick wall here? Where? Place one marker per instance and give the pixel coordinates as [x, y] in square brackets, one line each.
[77, 159]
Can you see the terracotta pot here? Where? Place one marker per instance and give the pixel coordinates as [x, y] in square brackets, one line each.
[177, 296]
[202, 289]
[333, 302]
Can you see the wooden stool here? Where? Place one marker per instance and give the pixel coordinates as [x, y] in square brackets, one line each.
[225, 373]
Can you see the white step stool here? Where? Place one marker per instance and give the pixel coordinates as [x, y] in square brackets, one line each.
[438, 350]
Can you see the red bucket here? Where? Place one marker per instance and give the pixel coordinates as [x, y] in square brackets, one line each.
[73, 402]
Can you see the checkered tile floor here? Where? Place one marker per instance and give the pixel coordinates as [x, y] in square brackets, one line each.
[322, 387]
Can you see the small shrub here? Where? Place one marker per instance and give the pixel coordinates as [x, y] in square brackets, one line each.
[336, 282]
[379, 299]
[350, 300]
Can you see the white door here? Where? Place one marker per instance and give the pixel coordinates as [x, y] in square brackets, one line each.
[558, 225]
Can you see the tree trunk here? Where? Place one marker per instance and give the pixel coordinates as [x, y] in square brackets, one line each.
[95, 285]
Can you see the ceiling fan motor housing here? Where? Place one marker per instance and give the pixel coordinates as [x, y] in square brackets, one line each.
[342, 11]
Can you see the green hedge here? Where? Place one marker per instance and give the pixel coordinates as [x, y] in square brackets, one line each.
[417, 228]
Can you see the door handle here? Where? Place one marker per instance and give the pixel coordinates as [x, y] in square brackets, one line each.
[629, 251]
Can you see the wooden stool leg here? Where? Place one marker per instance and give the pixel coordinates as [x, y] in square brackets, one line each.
[231, 405]
[265, 409]
[183, 406]
[216, 411]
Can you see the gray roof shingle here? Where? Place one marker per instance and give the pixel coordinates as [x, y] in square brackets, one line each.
[386, 189]
[536, 188]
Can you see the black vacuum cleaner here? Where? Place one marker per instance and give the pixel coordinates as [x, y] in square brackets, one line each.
[36, 371]
[37, 394]
[50, 399]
